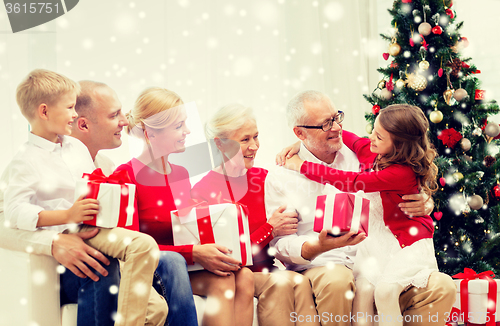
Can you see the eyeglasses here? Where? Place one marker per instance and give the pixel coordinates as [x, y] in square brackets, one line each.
[338, 118]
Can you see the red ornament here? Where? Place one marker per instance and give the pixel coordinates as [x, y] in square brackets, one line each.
[465, 65]
[479, 94]
[376, 109]
[424, 43]
[386, 56]
[450, 137]
[450, 13]
[440, 72]
[496, 191]
[390, 84]
[438, 215]
[406, 1]
[442, 181]
[394, 65]
[476, 72]
[437, 30]
[411, 42]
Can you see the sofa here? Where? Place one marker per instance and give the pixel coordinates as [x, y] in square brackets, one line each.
[29, 287]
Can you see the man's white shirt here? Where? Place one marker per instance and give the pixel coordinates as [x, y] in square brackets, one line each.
[288, 187]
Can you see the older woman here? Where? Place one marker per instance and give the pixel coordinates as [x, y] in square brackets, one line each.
[159, 118]
[281, 293]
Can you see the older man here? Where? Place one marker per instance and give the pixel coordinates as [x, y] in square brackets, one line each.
[318, 125]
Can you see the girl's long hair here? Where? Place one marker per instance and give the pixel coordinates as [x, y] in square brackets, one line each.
[408, 126]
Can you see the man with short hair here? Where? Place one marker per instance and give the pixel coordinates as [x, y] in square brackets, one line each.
[325, 260]
[99, 125]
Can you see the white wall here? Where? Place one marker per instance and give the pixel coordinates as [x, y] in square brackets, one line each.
[259, 53]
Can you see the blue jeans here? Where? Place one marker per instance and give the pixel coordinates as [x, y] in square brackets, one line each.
[171, 280]
[96, 305]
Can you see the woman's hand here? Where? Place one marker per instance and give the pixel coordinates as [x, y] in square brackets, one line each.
[286, 153]
[294, 163]
[283, 223]
[213, 257]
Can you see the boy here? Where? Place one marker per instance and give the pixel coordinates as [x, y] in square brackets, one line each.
[40, 183]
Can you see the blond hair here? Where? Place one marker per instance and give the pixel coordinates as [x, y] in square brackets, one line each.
[408, 128]
[42, 86]
[227, 120]
[155, 108]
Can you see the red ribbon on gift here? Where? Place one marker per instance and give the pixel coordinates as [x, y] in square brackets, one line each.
[468, 275]
[118, 177]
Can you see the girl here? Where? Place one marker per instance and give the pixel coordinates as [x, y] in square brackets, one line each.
[399, 252]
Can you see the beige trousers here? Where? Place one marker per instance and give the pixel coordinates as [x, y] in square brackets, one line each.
[283, 297]
[333, 290]
[139, 254]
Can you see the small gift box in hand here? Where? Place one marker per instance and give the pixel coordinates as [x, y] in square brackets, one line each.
[224, 224]
[342, 212]
[115, 195]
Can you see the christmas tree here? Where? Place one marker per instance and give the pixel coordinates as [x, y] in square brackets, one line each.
[425, 69]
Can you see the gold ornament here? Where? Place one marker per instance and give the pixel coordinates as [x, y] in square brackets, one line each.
[417, 82]
[424, 65]
[386, 94]
[436, 116]
[369, 128]
[492, 129]
[400, 83]
[425, 28]
[460, 94]
[381, 84]
[394, 49]
[475, 202]
[457, 176]
[447, 94]
[465, 144]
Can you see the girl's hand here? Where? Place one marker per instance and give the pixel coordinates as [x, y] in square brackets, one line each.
[294, 163]
[82, 210]
[286, 153]
[213, 258]
[283, 223]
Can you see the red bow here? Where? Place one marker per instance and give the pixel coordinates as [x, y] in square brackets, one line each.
[118, 177]
[468, 275]
[204, 223]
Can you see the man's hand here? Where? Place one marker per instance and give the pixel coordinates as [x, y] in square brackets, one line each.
[74, 254]
[325, 242]
[283, 223]
[419, 204]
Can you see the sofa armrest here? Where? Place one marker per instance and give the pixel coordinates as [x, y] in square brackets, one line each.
[30, 289]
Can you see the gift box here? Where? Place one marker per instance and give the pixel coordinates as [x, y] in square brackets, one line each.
[115, 194]
[477, 300]
[224, 224]
[342, 212]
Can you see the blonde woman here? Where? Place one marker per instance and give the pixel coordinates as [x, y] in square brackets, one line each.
[285, 297]
[159, 118]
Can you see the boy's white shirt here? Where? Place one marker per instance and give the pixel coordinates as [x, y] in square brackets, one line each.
[42, 176]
